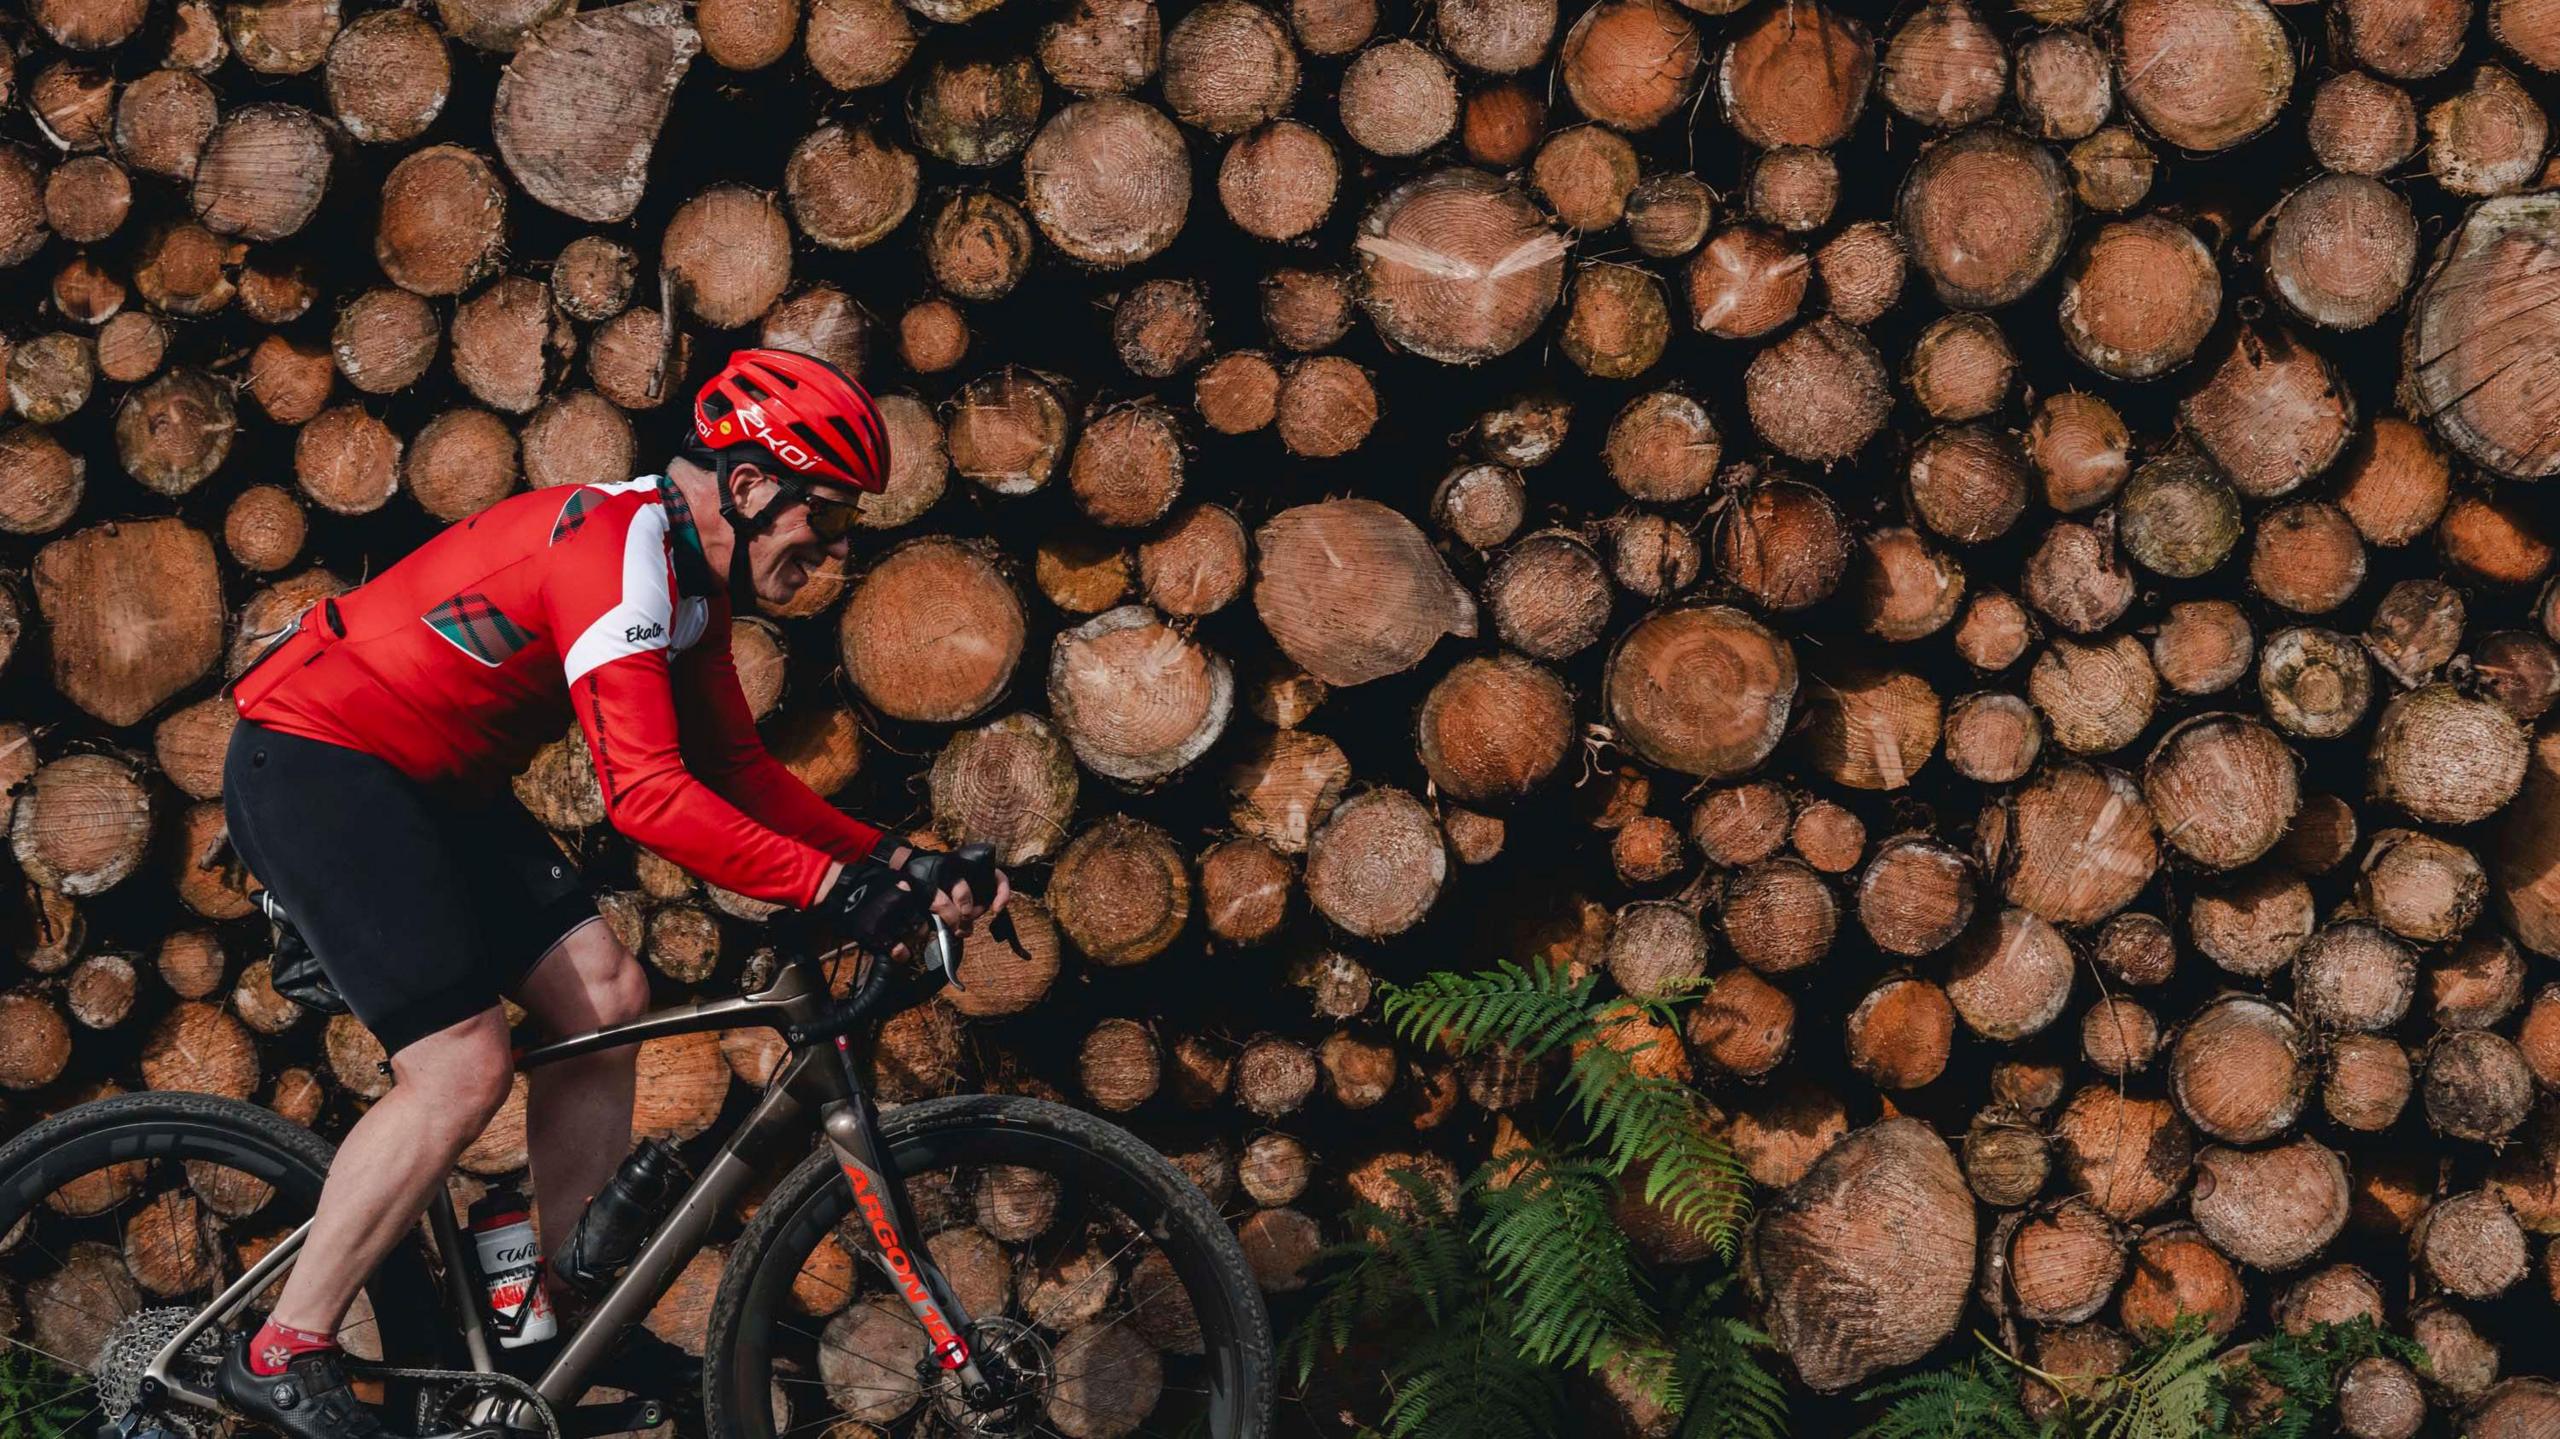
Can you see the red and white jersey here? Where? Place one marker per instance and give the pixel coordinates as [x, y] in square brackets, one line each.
[458, 663]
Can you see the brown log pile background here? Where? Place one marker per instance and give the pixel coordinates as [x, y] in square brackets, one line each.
[2012, 538]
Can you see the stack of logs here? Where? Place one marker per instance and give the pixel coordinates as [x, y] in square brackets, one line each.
[2004, 536]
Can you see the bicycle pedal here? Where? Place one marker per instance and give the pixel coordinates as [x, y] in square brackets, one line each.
[620, 1416]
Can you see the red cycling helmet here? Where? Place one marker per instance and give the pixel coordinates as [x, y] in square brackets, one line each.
[807, 413]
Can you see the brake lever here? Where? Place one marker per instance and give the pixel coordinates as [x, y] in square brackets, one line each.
[946, 954]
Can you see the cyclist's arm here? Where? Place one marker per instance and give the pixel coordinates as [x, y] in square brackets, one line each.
[722, 747]
[613, 609]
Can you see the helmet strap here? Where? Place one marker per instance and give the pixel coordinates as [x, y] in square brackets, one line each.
[743, 528]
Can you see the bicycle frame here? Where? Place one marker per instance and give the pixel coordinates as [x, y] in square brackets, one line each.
[817, 1081]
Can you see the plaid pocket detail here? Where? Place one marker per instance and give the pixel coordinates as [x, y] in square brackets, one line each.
[478, 628]
[573, 514]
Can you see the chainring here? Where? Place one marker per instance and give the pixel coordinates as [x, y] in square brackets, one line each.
[129, 1350]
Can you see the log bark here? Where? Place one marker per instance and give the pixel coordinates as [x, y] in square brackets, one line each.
[1961, 367]
[2177, 1273]
[941, 661]
[1352, 591]
[1798, 78]
[2065, 1264]
[2074, 846]
[2139, 298]
[1138, 700]
[1820, 394]
[135, 612]
[1703, 691]
[2129, 1154]
[174, 432]
[2203, 75]
[1107, 179]
[1492, 729]
[1867, 1262]
[2476, 1086]
[1377, 864]
[1780, 916]
[1899, 1035]
[579, 107]
[1985, 214]
[262, 172]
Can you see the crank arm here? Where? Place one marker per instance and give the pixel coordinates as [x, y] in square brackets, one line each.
[625, 1416]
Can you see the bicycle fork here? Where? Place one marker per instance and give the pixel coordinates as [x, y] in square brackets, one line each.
[885, 1229]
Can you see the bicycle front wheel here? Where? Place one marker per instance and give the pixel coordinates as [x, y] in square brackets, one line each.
[1090, 1266]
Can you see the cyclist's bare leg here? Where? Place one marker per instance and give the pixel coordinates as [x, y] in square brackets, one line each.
[444, 1089]
[578, 1115]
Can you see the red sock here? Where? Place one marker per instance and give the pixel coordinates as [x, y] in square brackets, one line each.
[275, 1345]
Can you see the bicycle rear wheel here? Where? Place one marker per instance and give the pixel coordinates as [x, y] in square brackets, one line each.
[1086, 1260]
[120, 1218]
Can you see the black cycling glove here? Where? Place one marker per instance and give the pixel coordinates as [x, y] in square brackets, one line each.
[869, 906]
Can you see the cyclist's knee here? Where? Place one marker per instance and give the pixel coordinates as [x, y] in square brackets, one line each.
[589, 980]
[622, 995]
[463, 1069]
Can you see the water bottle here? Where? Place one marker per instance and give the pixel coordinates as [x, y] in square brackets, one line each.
[511, 1269]
[620, 1218]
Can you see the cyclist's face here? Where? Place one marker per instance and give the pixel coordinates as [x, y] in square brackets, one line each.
[805, 534]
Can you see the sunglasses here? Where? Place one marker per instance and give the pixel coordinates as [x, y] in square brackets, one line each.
[830, 519]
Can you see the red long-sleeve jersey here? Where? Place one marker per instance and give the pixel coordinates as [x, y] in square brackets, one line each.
[460, 661]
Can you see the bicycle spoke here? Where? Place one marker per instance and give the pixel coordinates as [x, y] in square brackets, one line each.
[47, 1403]
[63, 1262]
[821, 1342]
[45, 1354]
[1127, 1312]
[1110, 1266]
[833, 1387]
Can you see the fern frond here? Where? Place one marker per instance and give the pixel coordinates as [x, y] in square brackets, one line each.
[1660, 1125]
[2308, 1367]
[1419, 1264]
[1491, 1392]
[2174, 1391]
[1728, 1391]
[1553, 1249]
[1532, 1010]
[1963, 1402]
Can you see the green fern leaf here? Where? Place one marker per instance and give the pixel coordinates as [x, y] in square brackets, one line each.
[1962, 1402]
[1551, 1247]
[1728, 1390]
[2172, 1391]
[1531, 1010]
[2308, 1367]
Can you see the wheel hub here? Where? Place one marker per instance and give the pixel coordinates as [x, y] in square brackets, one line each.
[1017, 1364]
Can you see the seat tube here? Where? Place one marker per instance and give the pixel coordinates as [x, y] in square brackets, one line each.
[888, 1230]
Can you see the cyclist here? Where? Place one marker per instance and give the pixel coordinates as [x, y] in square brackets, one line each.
[367, 786]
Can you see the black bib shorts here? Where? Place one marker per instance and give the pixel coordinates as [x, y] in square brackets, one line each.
[422, 910]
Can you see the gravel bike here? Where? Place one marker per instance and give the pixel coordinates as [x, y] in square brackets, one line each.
[979, 1265]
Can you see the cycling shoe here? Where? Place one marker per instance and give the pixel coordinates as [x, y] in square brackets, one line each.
[309, 1400]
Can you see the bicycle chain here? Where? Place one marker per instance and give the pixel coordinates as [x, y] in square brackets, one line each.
[464, 1378]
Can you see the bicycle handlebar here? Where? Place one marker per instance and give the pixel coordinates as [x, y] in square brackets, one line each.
[931, 872]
